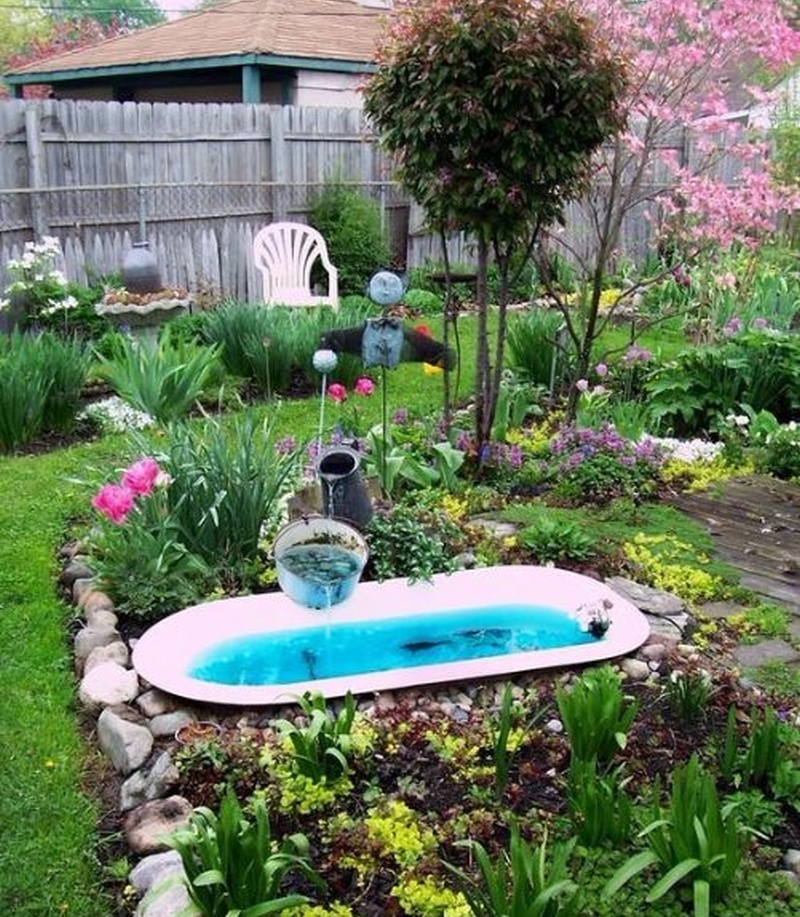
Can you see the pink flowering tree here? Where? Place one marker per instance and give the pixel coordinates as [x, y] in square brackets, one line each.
[492, 109]
[686, 160]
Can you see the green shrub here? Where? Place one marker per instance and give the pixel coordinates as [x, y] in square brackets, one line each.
[164, 380]
[351, 226]
[410, 541]
[695, 841]
[553, 539]
[690, 394]
[43, 379]
[424, 301]
[596, 714]
[262, 344]
[780, 454]
[233, 865]
[533, 348]
[598, 804]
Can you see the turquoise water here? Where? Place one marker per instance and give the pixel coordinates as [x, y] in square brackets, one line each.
[334, 650]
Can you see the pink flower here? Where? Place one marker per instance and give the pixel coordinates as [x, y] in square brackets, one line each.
[364, 386]
[759, 323]
[114, 501]
[602, 370]
[337, 392]
[582, 385]
[141, 477]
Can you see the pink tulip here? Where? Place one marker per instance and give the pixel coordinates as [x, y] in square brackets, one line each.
[114, 501]
[364, 386]
[141, 477]
[337, 392]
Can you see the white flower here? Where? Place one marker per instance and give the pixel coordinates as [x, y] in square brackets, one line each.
[4, 304]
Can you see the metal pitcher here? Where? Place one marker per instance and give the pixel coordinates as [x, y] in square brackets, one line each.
[344, 491]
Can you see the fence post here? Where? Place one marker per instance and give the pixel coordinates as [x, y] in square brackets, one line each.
[36, 169]
[277, 152]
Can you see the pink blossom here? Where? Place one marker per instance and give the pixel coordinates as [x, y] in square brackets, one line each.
[582, 385]
[760, 323]
[364, 386]
[337, 392]
[733, 326]
[141, 477]
[114, 501]
[602, 370]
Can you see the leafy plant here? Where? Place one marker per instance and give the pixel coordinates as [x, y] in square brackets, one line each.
[232, 865]
[552, 538]
[411, 542]
[323, 744]
[262, 345]
[598, 803]
[519, 882]
[425, 301]
[225, 486]
[688, 693]
[43, 379]
[596, 714]
[351, 226]
[164, 380]
[536, 348]
[762, 758]
[697, 840]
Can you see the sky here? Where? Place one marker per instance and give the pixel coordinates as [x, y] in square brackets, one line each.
[173, 8]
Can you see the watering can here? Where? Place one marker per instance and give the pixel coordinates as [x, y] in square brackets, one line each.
[344, 491]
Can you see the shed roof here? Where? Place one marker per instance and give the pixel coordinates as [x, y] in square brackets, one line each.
[336, 31]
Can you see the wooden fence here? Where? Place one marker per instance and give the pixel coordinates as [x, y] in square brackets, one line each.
[198, 181]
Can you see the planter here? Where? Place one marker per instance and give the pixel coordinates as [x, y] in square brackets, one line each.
[200, 731]
[143, 321]
[319, 560]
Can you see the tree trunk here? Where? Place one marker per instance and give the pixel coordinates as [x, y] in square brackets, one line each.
[482, 367]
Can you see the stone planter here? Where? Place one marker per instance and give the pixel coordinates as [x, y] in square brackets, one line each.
[143, 321]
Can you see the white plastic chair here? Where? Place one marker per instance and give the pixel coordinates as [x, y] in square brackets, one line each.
[284, 253]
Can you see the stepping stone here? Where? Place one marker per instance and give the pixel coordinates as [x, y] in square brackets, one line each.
[756, 654]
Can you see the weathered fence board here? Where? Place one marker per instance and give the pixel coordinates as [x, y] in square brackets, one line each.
[198, 181]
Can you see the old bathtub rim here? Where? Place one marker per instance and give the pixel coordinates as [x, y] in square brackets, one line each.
[166, 650]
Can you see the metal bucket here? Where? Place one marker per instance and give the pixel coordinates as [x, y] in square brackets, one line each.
[325, 560]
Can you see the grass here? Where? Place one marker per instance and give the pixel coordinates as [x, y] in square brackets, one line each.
[46, 860]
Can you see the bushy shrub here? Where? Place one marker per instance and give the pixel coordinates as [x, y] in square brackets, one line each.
[424, 301]
[164, 380]
[351, 226]
[597, 466]
[688, 395]
[532, 341]
[43, 378]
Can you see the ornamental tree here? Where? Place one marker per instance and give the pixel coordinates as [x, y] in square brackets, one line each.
[697, 66]
[492, 109]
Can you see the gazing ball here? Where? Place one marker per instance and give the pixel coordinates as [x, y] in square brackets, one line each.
[324, 361]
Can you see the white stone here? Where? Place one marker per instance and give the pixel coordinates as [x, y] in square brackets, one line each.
[106, 685]
[147, 826]
[114, 652]
[554, 727]
[169, 900]
[128, 744]
[791, 860]
[152, 869]
[653, 652]
[101, 619]
[155, 702]
[167, 724]
[635, 668]
[88, 638]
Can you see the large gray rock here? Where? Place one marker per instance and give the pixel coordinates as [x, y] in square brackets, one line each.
[153, 781]
[167, 724]
[155, 702]
[647, 599]
[126, 741]
[169, 898]
[106, 685]
[147, 827]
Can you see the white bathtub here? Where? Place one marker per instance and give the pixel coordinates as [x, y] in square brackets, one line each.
[165, 653]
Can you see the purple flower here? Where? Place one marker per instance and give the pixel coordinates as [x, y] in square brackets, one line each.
[760, 323]
[400, 417]
[286, 445]
[733, 326]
